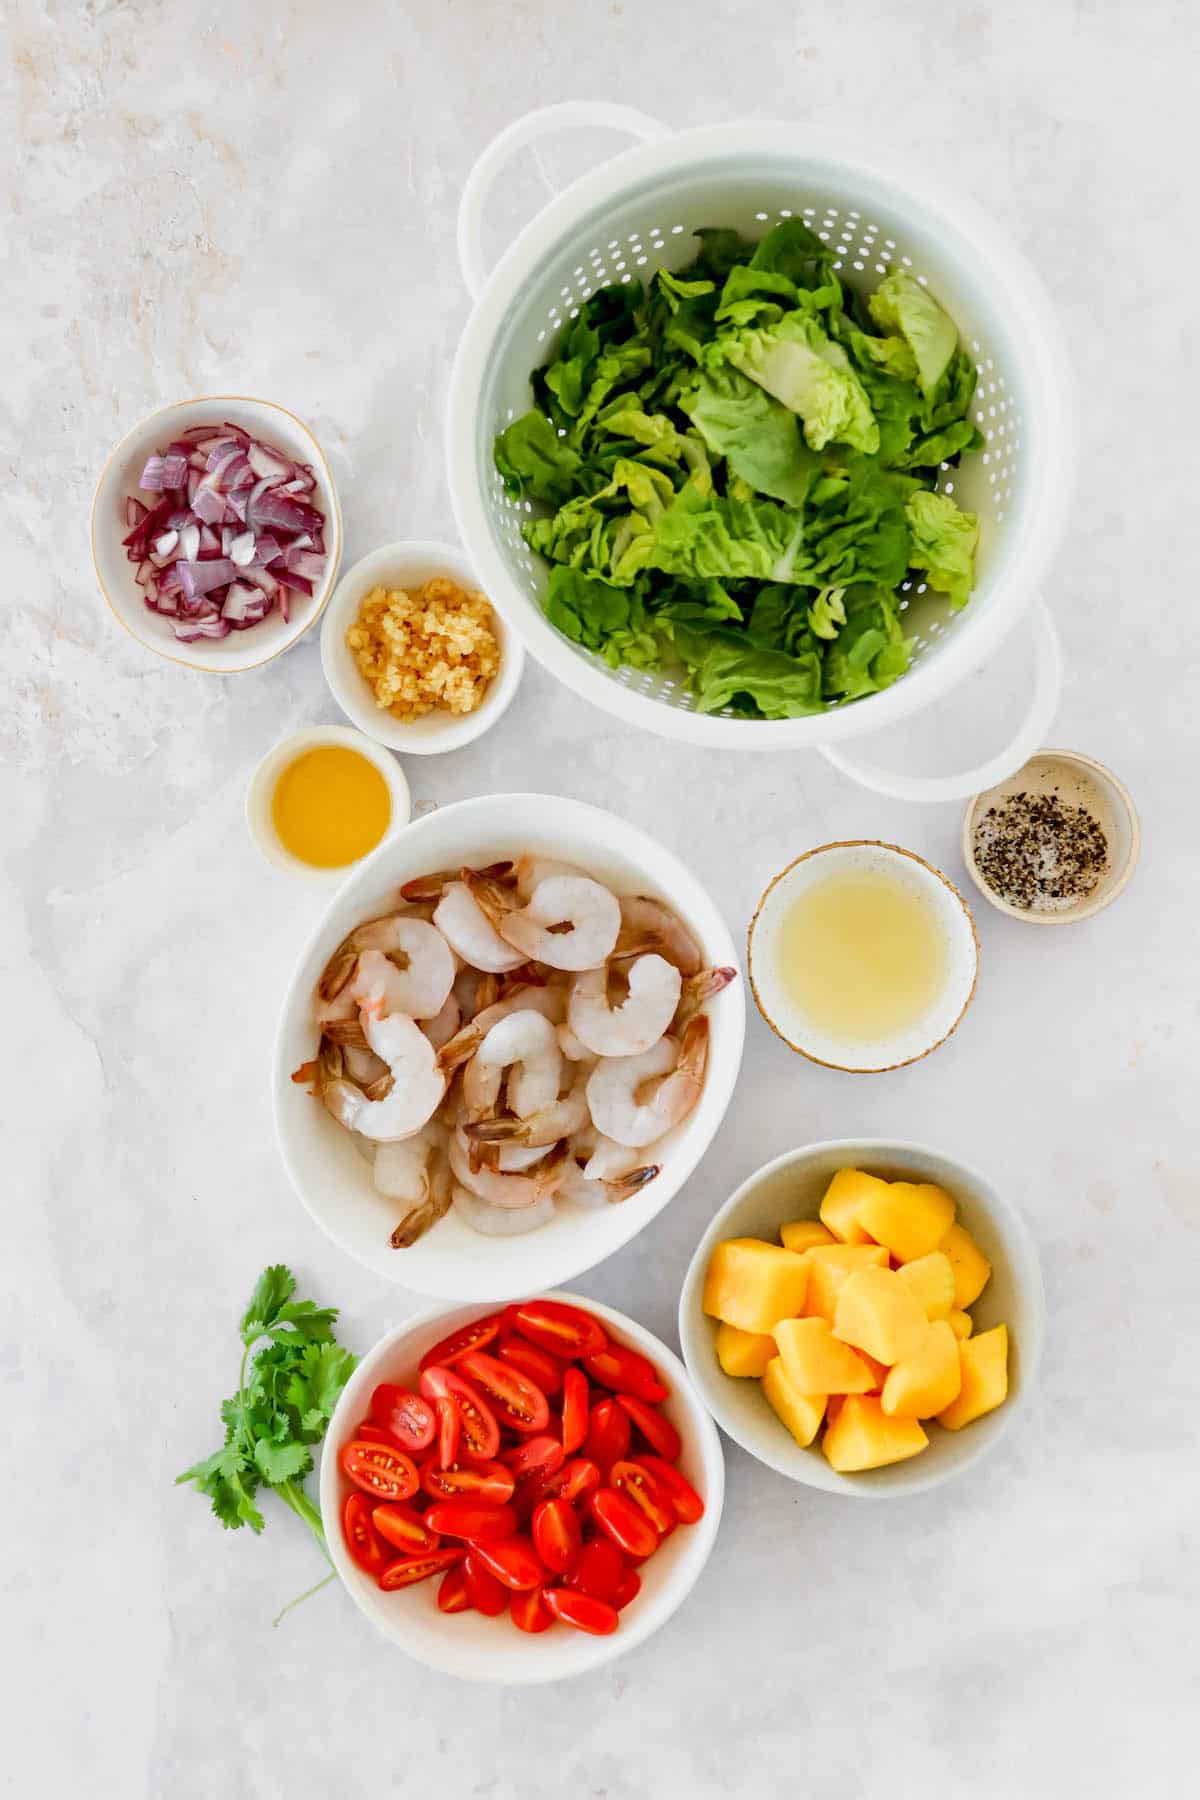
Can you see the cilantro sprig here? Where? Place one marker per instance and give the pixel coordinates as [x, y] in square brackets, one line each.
[285, 1397]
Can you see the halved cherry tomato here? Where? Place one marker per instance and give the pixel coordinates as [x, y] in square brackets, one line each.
[608, 1435]
[404, 1529]
[626, 1371]
[556, 1535]
[581, 1611]
[489, 1482]
[468, 1337]
[658, 1431]
[470, 1519]
[686, 1501]
[362, 1540]
[449, 1430]
[370, 1433]
[379, 1470]
[643, 1487]
[452, 1595]
[511, 1560]
[622, 1521]
[628, 1588]
[487, 1595]
[561, 1329]
[536, 1457]
[418, 1568]
[544, 1370]
[480, 1434]
[529, 1612]
[574, 1410]
[516, 1401]
[579, 1476]
[409, 1418]
[599, 1570]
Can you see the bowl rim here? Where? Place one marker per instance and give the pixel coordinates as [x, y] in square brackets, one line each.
[291, 748]
[1015, 1232]
[685, 1158]
[930, 868]
[1103, 777]
[633, 1631]
[212, 668]
[454, 731]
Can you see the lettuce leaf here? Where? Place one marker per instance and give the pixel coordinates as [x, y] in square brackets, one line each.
[943, 544]
[801, 366]
[535, 462]
[900, 303]
[759, 438]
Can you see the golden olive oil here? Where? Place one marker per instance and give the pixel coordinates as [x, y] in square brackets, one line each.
[862, 955]
[330, 806]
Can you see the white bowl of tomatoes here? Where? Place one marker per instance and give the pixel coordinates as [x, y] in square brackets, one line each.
[520, 1495]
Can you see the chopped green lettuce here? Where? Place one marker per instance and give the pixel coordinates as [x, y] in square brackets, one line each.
[943, 543]
[900, 303]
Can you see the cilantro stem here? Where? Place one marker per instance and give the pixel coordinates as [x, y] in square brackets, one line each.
[306, 1595]
[293, 1495]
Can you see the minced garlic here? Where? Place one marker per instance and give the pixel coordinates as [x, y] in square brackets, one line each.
[428, 651]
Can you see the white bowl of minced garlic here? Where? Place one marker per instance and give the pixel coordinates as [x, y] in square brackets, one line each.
[414, 654]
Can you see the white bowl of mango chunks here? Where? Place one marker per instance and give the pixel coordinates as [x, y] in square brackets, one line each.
[790, 1190]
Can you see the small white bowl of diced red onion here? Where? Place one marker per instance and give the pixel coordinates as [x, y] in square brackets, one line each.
[217, 532]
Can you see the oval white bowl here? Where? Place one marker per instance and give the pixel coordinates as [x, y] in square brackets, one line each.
[791, 1187]
[333, 1179]
[261, 791]
[241, 650]
[482, 1649]
[407, 566]
[915, 1040]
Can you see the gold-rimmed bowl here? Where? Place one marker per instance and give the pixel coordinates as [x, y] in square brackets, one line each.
[922, 1034]
[241, 650]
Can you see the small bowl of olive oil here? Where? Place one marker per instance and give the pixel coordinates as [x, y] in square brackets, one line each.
[323, 799]
[862, 956]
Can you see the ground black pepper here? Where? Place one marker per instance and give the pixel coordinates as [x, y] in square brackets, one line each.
[1038, 852]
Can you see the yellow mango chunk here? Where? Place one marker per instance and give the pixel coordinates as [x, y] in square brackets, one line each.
[927, 1381]
[984, 1366]
[875, 1312]
[843, 1197]
[744, 1352]
[828, 1267]
[910, 1217]
[801, 1413]
[931, 1279]
[753, 1285]
[815, 1363]
[972, 1270]
[879, 1371]
[960, 1323]
[802, 1234]
[863, 1437]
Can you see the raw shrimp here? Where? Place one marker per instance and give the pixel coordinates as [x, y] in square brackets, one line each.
[416, 948]
[641, 1018]
[419, 987]
[523, 1043]
[468, 930]
[417, 1083]
[560, 1119]
[442, 1027]
[363, 1066]
[510, 1191]
[427, 888]
[531, 870]
[614, 1085]
[578, 1187]
[416, 1172]
[648, 925]
[697, 989]
[589, 910]
[571, 1047]
[497, 1221]
[550, 1002]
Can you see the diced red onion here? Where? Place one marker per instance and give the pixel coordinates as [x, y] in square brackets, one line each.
[203, 577]
[231, 537]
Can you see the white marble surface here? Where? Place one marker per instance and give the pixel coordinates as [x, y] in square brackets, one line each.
[263, 199]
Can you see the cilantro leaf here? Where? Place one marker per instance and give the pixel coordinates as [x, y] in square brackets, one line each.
[281, 1462]
[316, 1385]
[311, 1321]
[271, 1290]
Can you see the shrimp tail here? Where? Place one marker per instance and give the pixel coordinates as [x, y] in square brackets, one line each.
[697, 990]
[492, 897]
[347, 1032]
[633, 1183]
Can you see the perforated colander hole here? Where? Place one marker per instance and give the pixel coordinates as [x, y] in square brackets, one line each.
[676, 230]
[785, 212]
[762, 216]
[907, 261]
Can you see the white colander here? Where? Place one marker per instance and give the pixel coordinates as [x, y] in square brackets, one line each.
[638, 211]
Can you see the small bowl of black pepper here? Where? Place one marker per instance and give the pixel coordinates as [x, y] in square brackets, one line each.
[1055, 843]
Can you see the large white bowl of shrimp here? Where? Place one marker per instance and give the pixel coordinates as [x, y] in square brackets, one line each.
[507, 1045]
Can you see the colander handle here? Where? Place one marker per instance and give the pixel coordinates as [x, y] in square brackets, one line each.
[1029, 737]
[520, 135]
